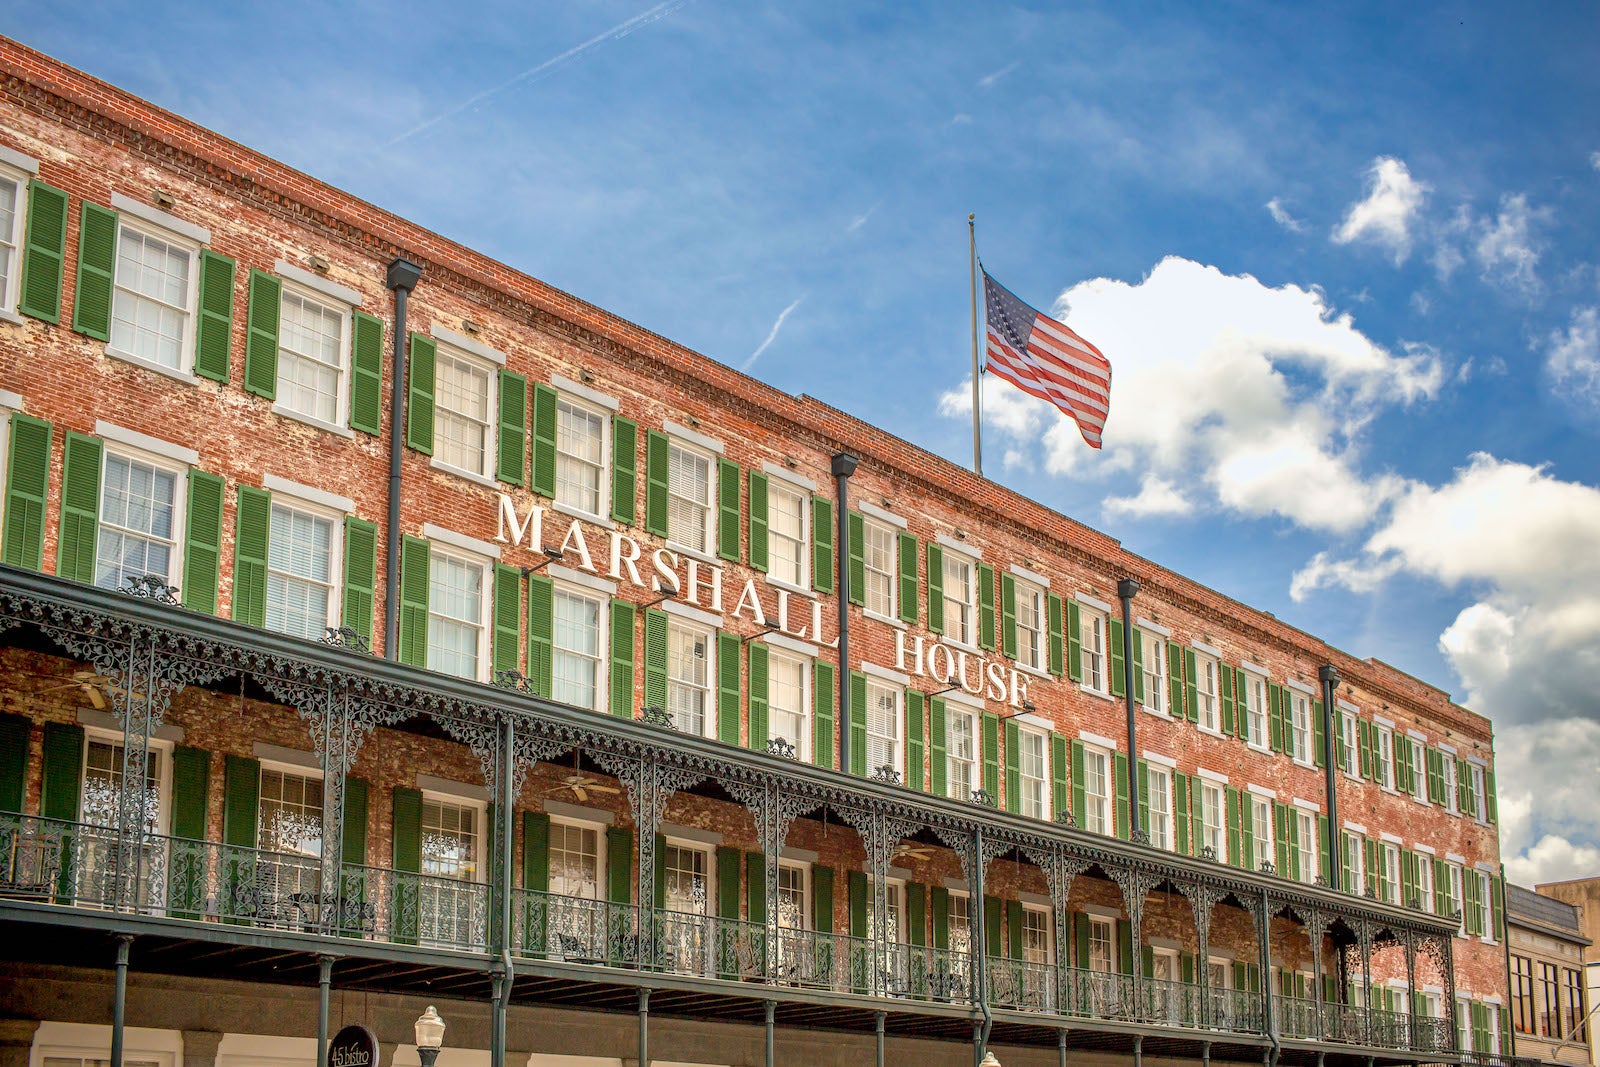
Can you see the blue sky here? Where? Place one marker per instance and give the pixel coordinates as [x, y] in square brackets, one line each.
[1341, 261]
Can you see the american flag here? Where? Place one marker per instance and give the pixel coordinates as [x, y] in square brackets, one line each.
[1042, 357]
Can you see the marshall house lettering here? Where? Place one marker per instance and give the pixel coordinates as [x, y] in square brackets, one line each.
[622, 558]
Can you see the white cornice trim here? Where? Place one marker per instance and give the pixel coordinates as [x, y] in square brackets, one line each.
[784, 474]
[958, 546]
[156, 217]
[26, 164]
[145, 443]
[470, 345]
[430, 783]
[572, 576]
[310, 494]
[300, 276]
[884, 674]
[693, 614]
[579, 812]
[1255, 668]
[881, 514]
[1157, 757]
[1098, 740]
[793, 644]
[1092, 602]
[1212, 776]
[1211, 650]
[1030, 576]
[1154, 627]
[460, 540]
[693, 437]
[584, 392]
[292, 757]
[1299, 686]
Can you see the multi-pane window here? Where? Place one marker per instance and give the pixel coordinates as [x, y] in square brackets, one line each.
[1419, 767]
[1096, 814]
[1155, 671]
[689, 501]
[311, 356]
[1255, 710]
[883, 729]
[580, 456]
[893, 915]
[574, 861]
[463, 435]
[786, 534]
[1033, 761]
[1479, 904]
[1036, 936]
[959, 598]
[1262, 828]
[1215, 825]
[961, 753]
[102, 784]
[1451, 800]
[960, 923]
[1160, 780]
[1205, 685]
[1347, 730]
[1575, 1026]
[792, 913]
[1549, 1000]
[880, 567]
[455, 615]
[686, 884]
[1092, 628]
[1102, 946]
[450, 834]
[1300, 726]
[1480, 799]
[1306, 843]
[1355, 849]
[1383, 757]
[787, 703]
[1425, 881]
[138, 522]
[1030, 625]
[1523, 1015]
[575, 648]
[1388, 873]
[299, 572]
[151, 300]
[688, 677]
[291, 813]
[11, 201]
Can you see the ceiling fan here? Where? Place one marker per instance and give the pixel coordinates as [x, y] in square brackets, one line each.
[92, 685]
[583, 784]
[909, 850]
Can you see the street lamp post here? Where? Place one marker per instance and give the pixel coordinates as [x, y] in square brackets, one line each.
[989, 1060]
[430, 1035]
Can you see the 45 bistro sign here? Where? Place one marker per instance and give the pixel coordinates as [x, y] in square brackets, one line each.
[694, 581]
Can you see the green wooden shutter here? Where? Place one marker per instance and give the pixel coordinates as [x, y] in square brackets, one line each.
[1057, 654]
[624, 470]
[1241, 704]
[1008, 615]
[655, 658]
[1074, 641]
[935, 589]
[541, 631]
[536, 851]
[755, 882]
[1319, 736]
[655, 477]
[1338, 740]
[856, 891]
[360, 574]
[62, 784]
[938, 737]
[407, 827]
[1120, 762]
[1080, 940]
[542, 479]
[856, 529]
[916, 743]
[507, 612]
[758, 531]
[760, 721]
[989, 731]
[191, 778]
[822, 544]
[366, 373]
[1197, 815]
[14, 732]
[1119, 665]
[619, 865]
[1175, 687]
[1077, 781]
[202, 545]
[80, 508]
[1191, 686]
[907, 551]
[1142, 794]
[252, 532]
[1138, 666]
[97, 261]
[420, 387]
[728, 510]
[1013, 799]
[354, 832]
[939, 905]
[44, 252]
[1125, 946]
[822, 899]
[213, 334]
[1227, 700]
[1231, 801]
[415, 582]
[262, 313]
[622, 619]
[241, 800]
[822, 707]
[1180, 812]
[510, 464]
[1274, 717]
[728, 649]
[1060, 797]
[729, 860]
[1363, 748]
[917, 913]
[986, 607]
[1247, 833]
[27, 485]
[1408, 877]
[858, 724]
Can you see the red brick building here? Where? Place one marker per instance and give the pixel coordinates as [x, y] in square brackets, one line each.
[254, 615]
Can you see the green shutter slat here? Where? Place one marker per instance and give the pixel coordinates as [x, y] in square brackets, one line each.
[907, 550]
[822, 682]
[1325, 843]
[191, 781]
[1138, 666]
[917, 913]
[253, 529]
[1227, 700]
[1180, 818]
[360, 574]
[939, 905]
[27, 485]
[264, 308]
[415, 581]
[858, 724]
[14, 731]
[1078, 791]
[407, 829]
[1175, 679]
[1080, 939]
[822, 544]
[986, 606]
[44, 254]
[1319, 736]
[420, 384]
[856, 527]
[1014, 929]
[1060, 798]
[541, 630]
[1008, 615]
[1013, 800]
[1191, 686]
[622, 662]
[543, 477]
[759, 681]
[1074, 641]
[354, 849]
[729, 860]
[1241, 703]
[97, 260]
[916, 741]
[1274, 717]
[366, 373]
[1491, 802]
[1142, 793]
[624, 470]
[1118, 663]
[938, 740]
[989, 736]
[935, 556]
[655, 658]
[1120, 762]
[755, 885]
[241, 793]
[1125, 946]
[202, 546]
[728, 648]
[758, 521]
[213, 333]
[511, 445]
[536, 851]
[1197, 815]
[1053, 619]
[80, 508]
[657, 450]
[728, 510]
[62, 782]
[822, 899]
[856, 886]
[507, 618]
[619, 865]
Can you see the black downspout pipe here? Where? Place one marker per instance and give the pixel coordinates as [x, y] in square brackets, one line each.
[1329, 675]
[844, 465]
[1127, 589]
[402, 278]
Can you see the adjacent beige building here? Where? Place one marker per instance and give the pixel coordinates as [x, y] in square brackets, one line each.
[1584, 894]
[1549, 1001]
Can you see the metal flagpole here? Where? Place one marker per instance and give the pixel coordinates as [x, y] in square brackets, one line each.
[977, 402]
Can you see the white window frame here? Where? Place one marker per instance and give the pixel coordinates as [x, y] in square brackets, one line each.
[1048, 927]
[602, 686]
[1113, 947]
[1452, 796]
[1255, 711]
[1389, 875]
[89, 1042]
[1262, 831]
[779, 488]
[708, 859]
[953, 713]
[180, 499]
[480, 812]
[486, 601]
[1355, 860]
[876, 687]
[1025, 734]
[11, 291]
[1209, 713]
[1165, 838]
[1485, 910]
[1425, 881]
[956, 608]
[1348, 727]
[1307, 844]
[804, 667]
[491, 439]
[804, 870]
[604, 416]
[599, 831]
[709, 708]
[160, 750]
[709, 458]
[310, 774]
[1419, 768]
[869, 528]
[900, 920]
[1384, 755]
[341, 405]
[335, 520]
[1216, 835]
[1300, 733]
[1103, 803]
[1041, 634]
[146, 228]
[1096, 623]
[1479, 782]
[1155, 680]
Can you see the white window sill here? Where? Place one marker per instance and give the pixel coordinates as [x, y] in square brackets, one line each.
[1258, 748]
[1424, 801]
[289, 413]
[140, 361]
[695, 553]
[1028, 668]
[1212, 730]
[1148, 710]
[792, 587]
[578, 513]
[887, 620]
[1298, 762]
[965, 646]
[7, 315]
[1087, 691]
[1391, 790]
[477, 479]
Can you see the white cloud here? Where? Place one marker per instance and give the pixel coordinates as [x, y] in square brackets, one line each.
[1594, 160]
[1505, 247]
[1156, 497]
[989, 79]
[1281, 216]
[1386, 215]
[1545, 777]
[1573, 360]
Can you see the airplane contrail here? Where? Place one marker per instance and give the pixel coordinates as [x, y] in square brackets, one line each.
[772, 335]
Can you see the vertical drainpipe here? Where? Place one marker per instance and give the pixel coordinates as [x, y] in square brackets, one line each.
[402, 278]
[1127, 589]
[844, 465]
[1329, 676]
